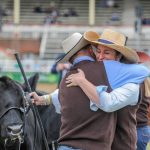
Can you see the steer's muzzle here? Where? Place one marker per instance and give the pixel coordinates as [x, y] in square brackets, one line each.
[14, 130]
[14, 133]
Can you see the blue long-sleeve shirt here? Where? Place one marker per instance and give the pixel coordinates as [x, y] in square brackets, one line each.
[125, 85]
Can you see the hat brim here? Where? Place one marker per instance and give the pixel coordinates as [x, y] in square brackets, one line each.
[128, 53]
[82, 42]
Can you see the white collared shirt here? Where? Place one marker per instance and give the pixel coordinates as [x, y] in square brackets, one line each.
[109, 102]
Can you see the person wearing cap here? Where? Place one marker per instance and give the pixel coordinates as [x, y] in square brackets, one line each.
[60, 68]
[82, 127]
[111, 46]
[143, 129]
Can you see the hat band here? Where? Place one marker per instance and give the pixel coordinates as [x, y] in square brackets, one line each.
[105, 41]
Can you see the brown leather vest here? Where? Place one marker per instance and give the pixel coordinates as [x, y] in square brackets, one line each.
[81, 127]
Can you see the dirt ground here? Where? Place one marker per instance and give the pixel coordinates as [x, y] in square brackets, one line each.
[46, 87]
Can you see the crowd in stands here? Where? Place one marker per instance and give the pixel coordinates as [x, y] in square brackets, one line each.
[3, 12]
[52, 12]
[70, 12]
[55, 13]
[115, 16]
[109, 3]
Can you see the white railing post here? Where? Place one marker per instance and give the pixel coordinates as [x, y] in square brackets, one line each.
[43, 41]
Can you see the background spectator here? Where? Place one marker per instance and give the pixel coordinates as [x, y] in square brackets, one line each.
[110, 3]
[70, 12]
[38, 9]
[51, 18]
[60, 68]
[51, 7]
[115, 17]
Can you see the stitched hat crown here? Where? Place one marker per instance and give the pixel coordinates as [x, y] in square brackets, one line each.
[113, 37]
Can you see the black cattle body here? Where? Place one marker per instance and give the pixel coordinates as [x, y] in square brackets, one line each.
[19, 129]
[51, 123]
[50, 119]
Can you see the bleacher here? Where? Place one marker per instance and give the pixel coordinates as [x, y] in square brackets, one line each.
[104, 14]
[30, 17]
[81, 8]
[56, 33]
[53, 46]
[27, 14]
[7, 6]
[145, 11]
[145, 4]
[139, 44]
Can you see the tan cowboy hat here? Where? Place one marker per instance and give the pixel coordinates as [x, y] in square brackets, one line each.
[72, 45]
[114, 40]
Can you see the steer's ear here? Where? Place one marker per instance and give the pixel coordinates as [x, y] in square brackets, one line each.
[33, 81]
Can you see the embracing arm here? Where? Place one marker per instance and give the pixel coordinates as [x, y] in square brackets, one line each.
[108, 102]
[88, 88]
[125, 95]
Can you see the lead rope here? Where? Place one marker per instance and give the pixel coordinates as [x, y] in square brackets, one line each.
[34, 109]
[53, 145]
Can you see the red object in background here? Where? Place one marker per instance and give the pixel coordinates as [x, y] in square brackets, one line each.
[143, 57]
[6, 53]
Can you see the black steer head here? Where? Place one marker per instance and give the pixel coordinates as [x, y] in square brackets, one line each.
[11, 113]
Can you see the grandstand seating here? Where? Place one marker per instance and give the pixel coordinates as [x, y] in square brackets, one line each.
[145, 4]
[7, 6]
[55, 33]
[29, 17]
[103, 15]
[53, 46]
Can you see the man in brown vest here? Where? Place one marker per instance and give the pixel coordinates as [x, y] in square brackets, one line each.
[83, 128]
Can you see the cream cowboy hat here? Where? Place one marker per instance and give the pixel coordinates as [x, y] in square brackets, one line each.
[114, 40]
[72, 45]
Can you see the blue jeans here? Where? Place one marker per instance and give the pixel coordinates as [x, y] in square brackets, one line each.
[143, 134]
[66, 148]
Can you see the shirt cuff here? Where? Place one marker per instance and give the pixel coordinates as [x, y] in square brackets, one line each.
[99, 89]
[55, 101]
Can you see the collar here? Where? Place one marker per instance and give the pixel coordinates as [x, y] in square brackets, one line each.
[81, 58]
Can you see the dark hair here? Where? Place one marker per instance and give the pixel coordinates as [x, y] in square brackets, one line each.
[84, 49]
[117, 53]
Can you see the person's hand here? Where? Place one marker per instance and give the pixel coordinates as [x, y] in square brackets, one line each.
[62, 66]
[67, 66]
[38, 100]
[75, 79]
